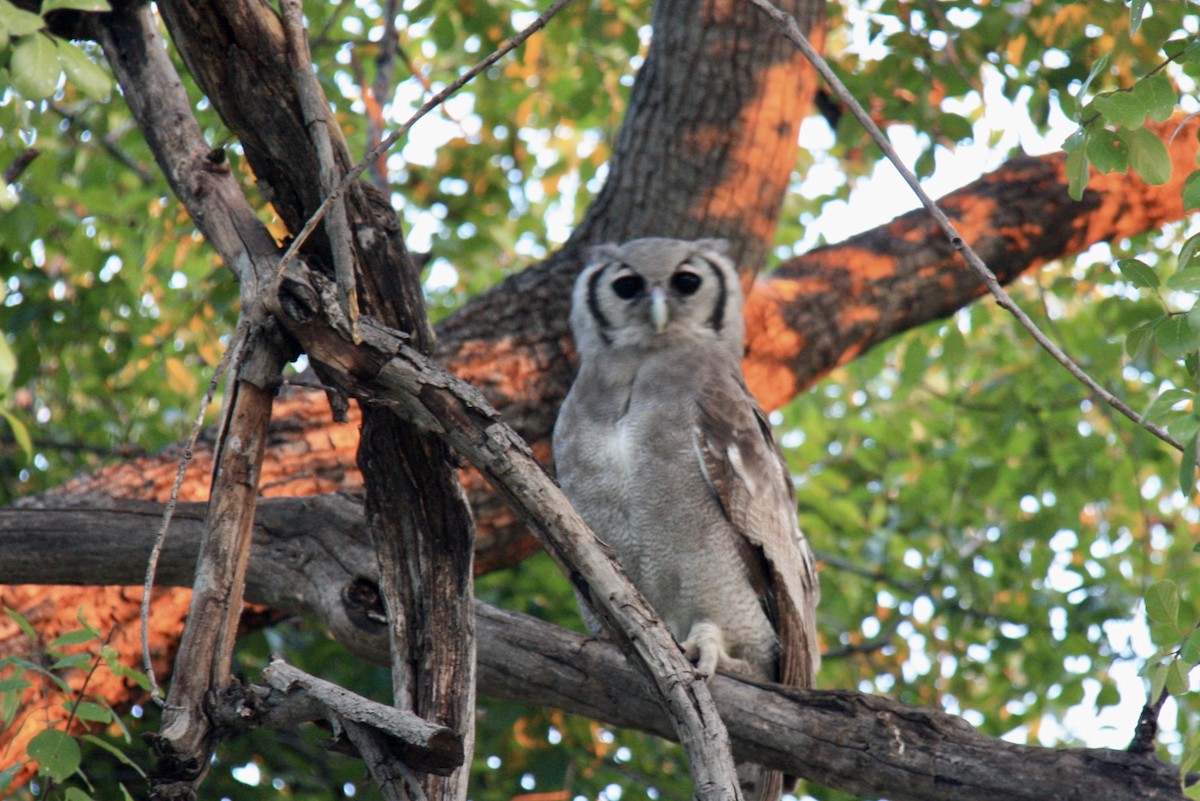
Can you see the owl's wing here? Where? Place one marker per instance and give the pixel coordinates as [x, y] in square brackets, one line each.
[746, 471]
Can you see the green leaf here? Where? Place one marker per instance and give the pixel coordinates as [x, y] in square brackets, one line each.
[1136, 9]
[83, 72]
[22, 624]
[20, 433]
[117, 752]
[76, 5]
[955, 126]
[1185, 428]
[8, 365]
[1162, 602]
[1191, 190]
[1107, 151]
[1187, 468]
[1158, 679]
[57, 753]
[75, 794]
[1176, 337]
[18, 22]
[1189, 251]
[1190, 652]
[1138, 273]
[13, 685]
[34, 67]
[925, 163]
[1148, 156]
[1121, 109]
[8, 774]
[1163, 403]
[9, 704]
[916, 360]
[1139, 339]
[86, 710]
[1177, 680]
[1185, 280]
[1078, 170]
[77, 637]
[1075, 142]
[73, 661]
[1100, 64]
[1157, 95]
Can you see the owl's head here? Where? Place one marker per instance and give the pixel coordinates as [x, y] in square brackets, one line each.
[654, 291]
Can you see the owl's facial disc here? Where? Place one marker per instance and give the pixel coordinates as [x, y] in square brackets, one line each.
[659, 313]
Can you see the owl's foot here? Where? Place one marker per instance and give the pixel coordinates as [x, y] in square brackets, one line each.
[705, 648]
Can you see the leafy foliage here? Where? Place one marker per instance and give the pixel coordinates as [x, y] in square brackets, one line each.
[71, 718]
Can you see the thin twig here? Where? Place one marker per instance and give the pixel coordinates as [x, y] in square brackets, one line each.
[392, 138]
[383, 88]
[232, 355]
[793, 33]
[17, 166]
[107, 143]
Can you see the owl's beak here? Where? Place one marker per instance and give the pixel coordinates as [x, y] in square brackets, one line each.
[658, 308]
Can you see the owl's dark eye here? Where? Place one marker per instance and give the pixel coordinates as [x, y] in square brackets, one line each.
[628, 286]
[685, 283]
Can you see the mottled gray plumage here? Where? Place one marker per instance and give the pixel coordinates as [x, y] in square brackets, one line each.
[670, 460]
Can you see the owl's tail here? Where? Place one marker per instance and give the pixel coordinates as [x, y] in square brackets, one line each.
[760, 784]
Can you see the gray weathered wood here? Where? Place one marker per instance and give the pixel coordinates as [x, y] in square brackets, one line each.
[310, 554]
[419, 743]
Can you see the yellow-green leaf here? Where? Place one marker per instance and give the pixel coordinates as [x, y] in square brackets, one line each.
[20, 433]
[76, 5]
[18, 22]
[1157, 96]
[1148, 156]
[1187, 469]
[8, 365]
[83, 72]
[1107, 151]
[34, 67]
[1077, 173]
[1176, 338]
[1162, 602]
[1121, 108]
[1177, 681]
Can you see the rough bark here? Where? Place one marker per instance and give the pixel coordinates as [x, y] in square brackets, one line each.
[185, 740]
[445, 687]
[858, 743]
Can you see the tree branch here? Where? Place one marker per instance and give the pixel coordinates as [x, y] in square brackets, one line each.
[204, 661]
[311, 556]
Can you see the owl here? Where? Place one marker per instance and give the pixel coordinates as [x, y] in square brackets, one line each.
[671, 461]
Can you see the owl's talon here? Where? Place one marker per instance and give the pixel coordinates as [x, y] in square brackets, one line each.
[704, 647]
